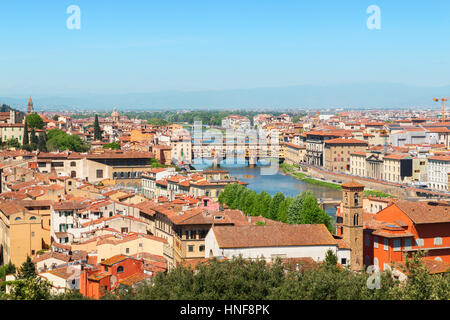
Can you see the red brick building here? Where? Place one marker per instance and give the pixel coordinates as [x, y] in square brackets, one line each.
[110, 274]
[405, 227]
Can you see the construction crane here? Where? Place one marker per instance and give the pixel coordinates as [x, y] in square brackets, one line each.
[443, 106]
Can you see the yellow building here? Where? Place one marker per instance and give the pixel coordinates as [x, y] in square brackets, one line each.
[294, 154]
[21, 233]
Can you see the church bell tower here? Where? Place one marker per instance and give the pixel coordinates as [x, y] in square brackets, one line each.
[30, 106]
[352, 226]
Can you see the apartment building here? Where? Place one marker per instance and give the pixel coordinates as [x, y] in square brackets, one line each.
[405, 227]
[337, 153]
[22, 233]
[397, 168]
[438, 169]
[294, 154]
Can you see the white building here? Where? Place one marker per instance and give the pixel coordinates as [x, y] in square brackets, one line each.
[272, 241]
[438, 169]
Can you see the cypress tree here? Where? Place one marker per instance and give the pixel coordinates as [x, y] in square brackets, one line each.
[42, 144]
[25, 134]
[33, 140]
[27, 270]
[97, 130]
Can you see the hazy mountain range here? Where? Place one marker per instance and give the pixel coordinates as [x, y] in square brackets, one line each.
[372, 95]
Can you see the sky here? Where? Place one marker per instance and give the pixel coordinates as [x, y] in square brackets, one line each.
[142, 46]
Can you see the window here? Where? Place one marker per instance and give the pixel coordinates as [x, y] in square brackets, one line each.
[99, 173]
[140, 245]
[356, 198]
[106, 268]
[202, 248]
[397, 244]
[18, 218]
[355, 219]
[419, 242]
[437, 241]
[32, 234]
[375, 242]
[386, 244]
[343, 261]
[73, 164]
[32, 252]
[191, 248]
[119, 269]
[33, 218]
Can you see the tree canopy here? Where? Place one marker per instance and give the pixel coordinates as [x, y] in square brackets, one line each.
[112, 146]
[302, 209]
[35, 121]
[59, 140]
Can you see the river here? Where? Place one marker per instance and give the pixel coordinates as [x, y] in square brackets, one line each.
[286, 184]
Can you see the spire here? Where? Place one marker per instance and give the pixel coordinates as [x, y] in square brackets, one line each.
[30, 106]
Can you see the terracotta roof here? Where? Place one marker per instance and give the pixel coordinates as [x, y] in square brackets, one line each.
[352, 184]
[281, 235]
[11, 207]
[299, 264]
[346, 141]
[98, 276]
[134, 278]
[50, 255]
[113, 260]
[424, 212]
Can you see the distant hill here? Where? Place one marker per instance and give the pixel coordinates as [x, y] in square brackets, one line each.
[371, 95]
[19, 114]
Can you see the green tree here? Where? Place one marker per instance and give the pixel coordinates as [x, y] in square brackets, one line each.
[35, 288]
[97, 130]
[275, 205]
[60, 140]
[25, 140]
[283, 209]
[330, 260]
[293, 213]
[13, 143]
[112, 146]
[27, 269]
[42, 143]
[250, 202]
[33, 140]
[239, 189]
[265, 203]
[221, 197]
[311, 213]
[34, 121]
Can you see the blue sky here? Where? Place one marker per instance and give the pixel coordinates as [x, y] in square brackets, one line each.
[148, 46]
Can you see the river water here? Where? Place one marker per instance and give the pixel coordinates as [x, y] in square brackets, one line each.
[279, 182]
